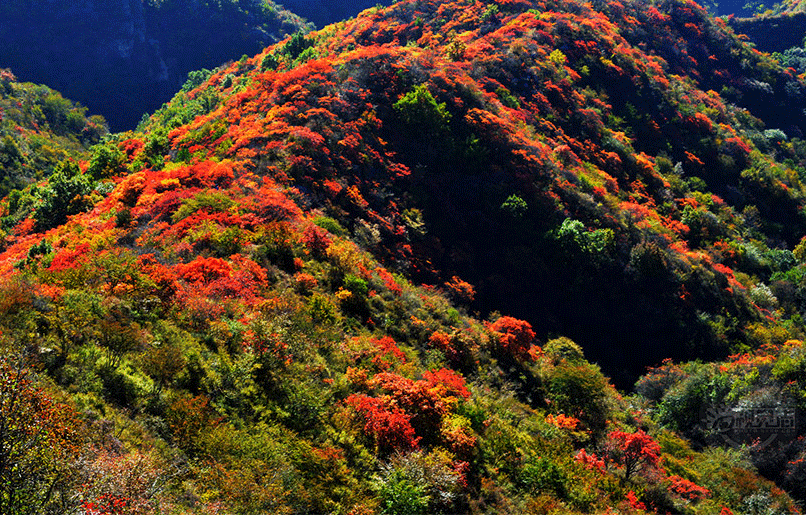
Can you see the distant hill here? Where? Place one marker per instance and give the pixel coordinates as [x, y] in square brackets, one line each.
[324, 12]
[123, 58]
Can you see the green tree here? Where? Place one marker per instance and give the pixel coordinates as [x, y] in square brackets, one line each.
[515, 206]
[64, 196]
[420, 110]
[107, 161]
[580, 390]
[400, 495]
[297, 44]
[195, 79]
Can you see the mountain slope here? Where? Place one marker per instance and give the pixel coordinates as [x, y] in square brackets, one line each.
[39, 128]
[227, 297]
[596, 187]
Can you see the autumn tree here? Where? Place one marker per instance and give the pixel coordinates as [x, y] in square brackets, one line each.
[633, 452]
[39, 441]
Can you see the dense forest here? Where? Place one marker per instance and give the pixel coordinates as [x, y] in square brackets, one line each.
[480, 256]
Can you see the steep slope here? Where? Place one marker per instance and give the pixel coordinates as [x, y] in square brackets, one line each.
[773, 33]
[124, 58]
[579, 173]
[39, 128]
[220, 311]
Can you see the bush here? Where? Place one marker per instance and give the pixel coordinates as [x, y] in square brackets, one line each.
[65, 195]
[402, 496]
[515, 206]
[418, 482]
[107, 161]
[580, 390]
[543, 475]
[564, 349]
[420, 110]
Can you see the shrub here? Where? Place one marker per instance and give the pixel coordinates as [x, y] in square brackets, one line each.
[400, 495]
[515, 206]
[514, 336]
[107, 161]
[564, 349]
[580, 390]
[418, 482]
[65, 195]
[543, 475]
[420, 110]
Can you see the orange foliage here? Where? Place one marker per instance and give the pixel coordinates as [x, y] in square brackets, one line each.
[515, 336]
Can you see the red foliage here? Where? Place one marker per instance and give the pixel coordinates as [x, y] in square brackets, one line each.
[590, 461]
[460, 290]
[132, 147]
[687, 489]
[274, 206]
[305, 282]
[207, 174]
[316, 239]
[106, 504]
[130, 188]
[563, 421]
[634, 502]
[634, 452]
[389, 281]
[203, 270]
[515, 336]
[414, 396]
[25, 227]
[391, 427]
[445, 343]
[386, 348]
[70, 259]
[448, 382]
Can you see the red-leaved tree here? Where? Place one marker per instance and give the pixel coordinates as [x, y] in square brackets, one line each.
[633, 452]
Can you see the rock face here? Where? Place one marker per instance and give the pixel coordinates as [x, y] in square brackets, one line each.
[123, 58]
[773, 33]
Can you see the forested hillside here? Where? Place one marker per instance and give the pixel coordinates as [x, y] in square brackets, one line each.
[397, 265]
[39, 129]
[612, 162]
